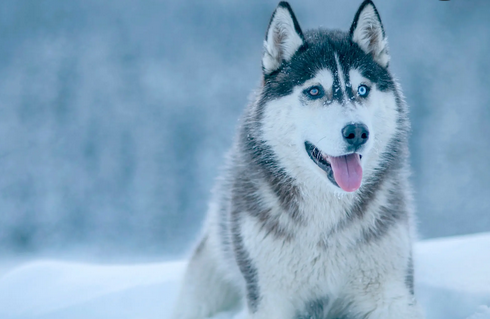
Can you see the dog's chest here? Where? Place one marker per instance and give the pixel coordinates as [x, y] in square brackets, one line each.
[311, 259]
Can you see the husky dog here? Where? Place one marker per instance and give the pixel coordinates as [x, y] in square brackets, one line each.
[312, 216]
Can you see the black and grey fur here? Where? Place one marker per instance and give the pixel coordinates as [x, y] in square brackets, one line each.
[281, 235]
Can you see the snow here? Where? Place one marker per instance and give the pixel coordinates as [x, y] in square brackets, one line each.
[453, 276]
[452, 281]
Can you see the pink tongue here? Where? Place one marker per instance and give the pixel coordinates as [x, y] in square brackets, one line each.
[347, 171]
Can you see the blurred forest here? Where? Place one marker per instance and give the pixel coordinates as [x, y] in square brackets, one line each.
[115, 115]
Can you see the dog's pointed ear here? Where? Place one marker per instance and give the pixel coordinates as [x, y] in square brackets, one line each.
[283, 38]
[367, 31]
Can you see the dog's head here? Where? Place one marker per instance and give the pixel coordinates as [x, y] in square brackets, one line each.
[329, 105]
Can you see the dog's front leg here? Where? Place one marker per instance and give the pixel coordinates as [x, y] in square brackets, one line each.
[391, 300]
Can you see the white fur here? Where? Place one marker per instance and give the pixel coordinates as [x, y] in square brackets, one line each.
[369, 36]
[282, 41]
[340, 72]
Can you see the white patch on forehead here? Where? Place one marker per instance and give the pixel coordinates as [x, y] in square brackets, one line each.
[340, 72]
[323, 77]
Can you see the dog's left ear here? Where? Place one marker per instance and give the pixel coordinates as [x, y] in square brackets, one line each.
[367, 31]
[283, 38]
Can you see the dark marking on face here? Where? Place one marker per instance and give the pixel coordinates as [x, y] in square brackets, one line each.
[318, 54]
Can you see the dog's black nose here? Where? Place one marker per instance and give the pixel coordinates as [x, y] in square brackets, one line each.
[355, 134]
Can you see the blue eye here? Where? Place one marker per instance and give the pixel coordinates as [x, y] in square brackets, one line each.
[314, 92]
[363, 90]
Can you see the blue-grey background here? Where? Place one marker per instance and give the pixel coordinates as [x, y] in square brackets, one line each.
[115, 115]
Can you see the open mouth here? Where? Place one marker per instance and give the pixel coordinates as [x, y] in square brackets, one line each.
[343, 171]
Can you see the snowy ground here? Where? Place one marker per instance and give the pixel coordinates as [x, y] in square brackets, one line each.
[452, 282]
